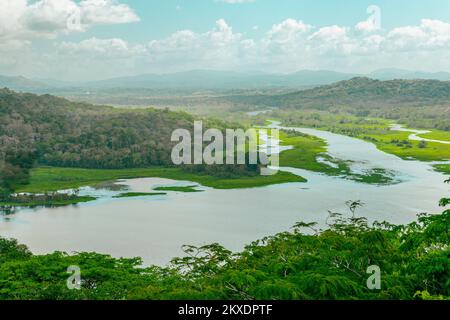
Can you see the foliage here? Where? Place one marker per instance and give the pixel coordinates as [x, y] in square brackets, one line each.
[305, 263]
[178, 189]
[53, 179]
[373, 130]
[53, 131]
[418, 103]
[309, 153]
[139, 194]
[47, 199]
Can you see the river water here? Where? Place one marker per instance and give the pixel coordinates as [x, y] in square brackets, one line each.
[155, 228]
[415, 134]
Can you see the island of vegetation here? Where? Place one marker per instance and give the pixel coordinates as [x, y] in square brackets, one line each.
[139, 194]
[44, 200]
[365, 108]
[309, 153]
[374, 130]
[50, 144]
[179, 189]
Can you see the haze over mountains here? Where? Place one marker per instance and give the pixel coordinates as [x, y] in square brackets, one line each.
[206, 79]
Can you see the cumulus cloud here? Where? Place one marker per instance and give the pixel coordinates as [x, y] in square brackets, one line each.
[22, 19]
[106, 12]
[430, 34]
[287, 46]
[373, 23]
[104, 48]
[218, 46]
[287, 31]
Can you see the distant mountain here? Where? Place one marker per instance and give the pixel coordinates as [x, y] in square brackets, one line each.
[209, 79]
[53, 83]
[391, 74]
[204, 79]
[20, 83]
[315, 77]
[360, 92]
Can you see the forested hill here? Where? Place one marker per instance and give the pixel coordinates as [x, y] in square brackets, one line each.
[53, 131]
[74, 134]
[359, 93]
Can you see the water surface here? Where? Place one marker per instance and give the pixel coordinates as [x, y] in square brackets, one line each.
[156, 227]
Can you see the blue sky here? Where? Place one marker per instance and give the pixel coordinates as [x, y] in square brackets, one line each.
[125, 37]
[160, 18]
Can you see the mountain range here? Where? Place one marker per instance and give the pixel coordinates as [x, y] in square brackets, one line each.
[207, 79]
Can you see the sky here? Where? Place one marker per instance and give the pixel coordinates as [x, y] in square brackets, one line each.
[81, 40]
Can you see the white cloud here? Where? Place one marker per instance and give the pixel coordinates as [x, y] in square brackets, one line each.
[106, 12]
[331, 33]
[22, 19]
[218, 46]
[286, 46]
[373, 23]
[366, 26]
[102, 48]
[287, 31]
[48, 17]
[429, 35]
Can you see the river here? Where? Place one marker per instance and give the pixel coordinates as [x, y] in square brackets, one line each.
[155, 228]
[415, 134]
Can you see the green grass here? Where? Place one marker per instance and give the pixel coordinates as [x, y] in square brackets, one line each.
[445, 168]
[304, 153]
[139, 194]
[52, 179]
[376, 131]
[307, 149]
[387, 141]
[178, 189]
[437, 135]
[53, 203]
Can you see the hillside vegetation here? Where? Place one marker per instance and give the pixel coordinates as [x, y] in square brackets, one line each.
[50, 131]
[418, 103]
[374, 130]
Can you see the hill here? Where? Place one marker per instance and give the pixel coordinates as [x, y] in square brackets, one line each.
[358, 92]
[20, 83]
[57, 132]
[51, 131]
[391, 74]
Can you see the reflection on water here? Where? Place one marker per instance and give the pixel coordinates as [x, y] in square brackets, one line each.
[8, 210]
[156, 227]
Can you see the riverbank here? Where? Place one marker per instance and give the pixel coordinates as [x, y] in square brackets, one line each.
[436, 135]
[310, 153]
[445, 168]
[375, 130]
[139, 194]
[45, 179]
[45, 200]
[302, 265]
